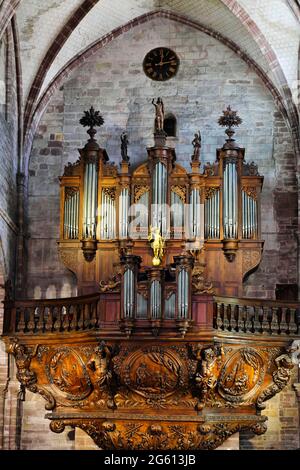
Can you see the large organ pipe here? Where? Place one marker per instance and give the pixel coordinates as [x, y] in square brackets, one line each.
[155, 299]
[212, 214]
[230, 201]
[90, 199]
[159, 197]
[123, 213]
[183, 294]
[71, 216]
[129, 289]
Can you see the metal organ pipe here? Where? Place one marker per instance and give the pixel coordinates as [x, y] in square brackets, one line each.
[123, 212]
[230, 201]
[249, 229]
[183, 294]
[155, 299]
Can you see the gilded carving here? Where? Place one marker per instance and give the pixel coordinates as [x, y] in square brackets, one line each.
[113, 284]
[210, 361]
[109, 192]
[281, 377]
[210, 192]
[28, 378]
[101, 373]
[139, 190]
[199, 283]
[250, 191]
[70, 191]
[180, 191]
[144, 435]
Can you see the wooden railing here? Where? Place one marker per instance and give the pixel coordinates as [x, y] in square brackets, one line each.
[256, 316]
[50, 316]
[231, 315]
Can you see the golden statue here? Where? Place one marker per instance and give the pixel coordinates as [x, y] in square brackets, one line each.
[157, 244]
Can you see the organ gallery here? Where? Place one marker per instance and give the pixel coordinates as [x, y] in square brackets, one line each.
[159, 350]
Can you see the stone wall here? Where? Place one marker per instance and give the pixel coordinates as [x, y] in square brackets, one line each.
[210, 77]
[283, 423]
[8, 228]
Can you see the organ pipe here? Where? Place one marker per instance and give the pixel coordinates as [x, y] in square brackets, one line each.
[123, 213]
[155, 299]
[90, 201]
[71, 215]
[159, 197]
[212, 215]
[230, 201]
[249, 217]
[195, 213]
[108, 218]
[183, 294]
[129, 291]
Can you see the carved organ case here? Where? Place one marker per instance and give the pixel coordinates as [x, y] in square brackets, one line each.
[212, 213]
[146, 357]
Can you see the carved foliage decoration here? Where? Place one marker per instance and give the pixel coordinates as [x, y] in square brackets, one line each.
[113, 284]
[69, 258]
[200, 285]
[139, 191]
[180, 191]
[281, 377]
[143, 435]
[251, 259]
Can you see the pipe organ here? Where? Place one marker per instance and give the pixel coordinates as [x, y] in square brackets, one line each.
[160, 254]
[214, 210]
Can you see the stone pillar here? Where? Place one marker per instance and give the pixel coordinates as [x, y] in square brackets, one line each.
[21, 254]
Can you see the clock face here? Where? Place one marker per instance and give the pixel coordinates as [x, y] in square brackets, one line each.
[161, 64]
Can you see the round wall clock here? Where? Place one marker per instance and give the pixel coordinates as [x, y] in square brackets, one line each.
[161, 64]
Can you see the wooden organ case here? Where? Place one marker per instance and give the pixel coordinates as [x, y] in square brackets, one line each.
[214, 213]
[158, 351]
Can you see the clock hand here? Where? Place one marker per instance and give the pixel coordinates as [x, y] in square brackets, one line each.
[167, 62]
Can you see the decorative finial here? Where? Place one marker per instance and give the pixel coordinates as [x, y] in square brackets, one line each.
[229, 119]
[91, 119]
[197, 145]
[124, 145]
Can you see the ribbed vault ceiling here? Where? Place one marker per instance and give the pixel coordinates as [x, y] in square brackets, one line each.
[269, 35]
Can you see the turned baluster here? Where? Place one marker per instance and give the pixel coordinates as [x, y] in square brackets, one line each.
[94, 319]
[292, 325]
[31, 322]
[65, 319]
[234, 317]
[265, 321]
[80, 312]
[56, 318]
[38, 319]
[274, 321]
[248, 321]
[49, 318]
[226, 322]
[240, 318]
[73, 315]
[87, 315]
[219, 321]
[257, 324]
[283, 322]
[21, 322]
